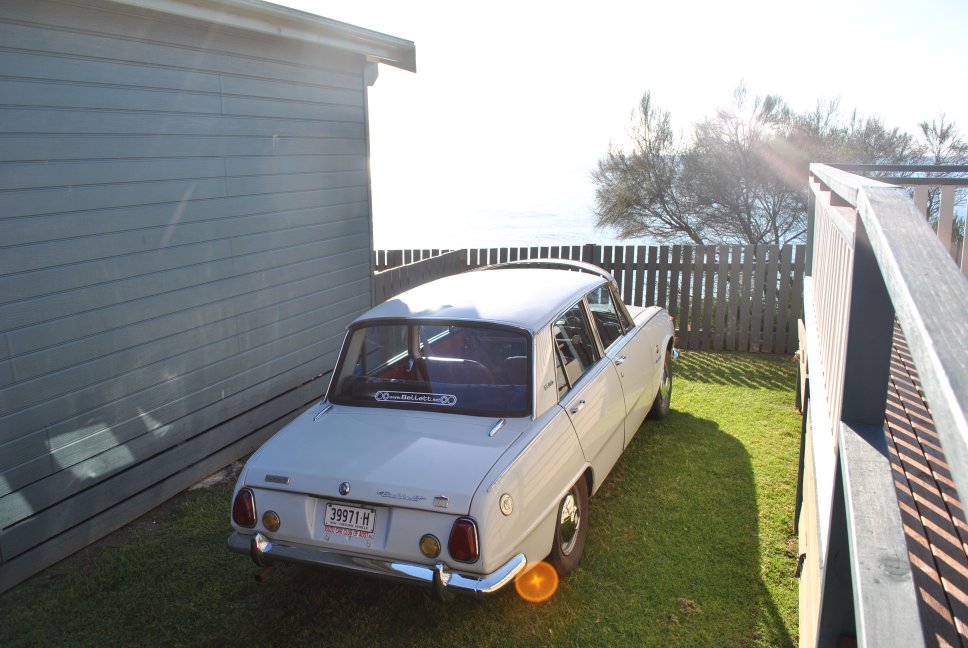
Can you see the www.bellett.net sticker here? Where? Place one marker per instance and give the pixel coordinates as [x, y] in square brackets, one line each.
[447, 400]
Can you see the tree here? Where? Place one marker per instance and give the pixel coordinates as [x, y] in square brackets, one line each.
[747, 189]
[647, 192]
[741, 177]
[942, 144]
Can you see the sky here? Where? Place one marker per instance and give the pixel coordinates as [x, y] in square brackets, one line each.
[513, 103]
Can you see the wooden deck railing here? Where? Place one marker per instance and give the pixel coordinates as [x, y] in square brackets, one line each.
[723, 298]
[945, 182]
[871, 258]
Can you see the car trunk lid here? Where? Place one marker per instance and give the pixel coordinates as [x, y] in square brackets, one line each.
[387, 457]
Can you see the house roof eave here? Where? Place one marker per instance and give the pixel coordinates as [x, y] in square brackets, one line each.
[285, 22]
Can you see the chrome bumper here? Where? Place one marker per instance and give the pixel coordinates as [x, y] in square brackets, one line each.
[264, 551]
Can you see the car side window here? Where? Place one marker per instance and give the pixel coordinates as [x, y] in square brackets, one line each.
[575, 348]
[609, 320]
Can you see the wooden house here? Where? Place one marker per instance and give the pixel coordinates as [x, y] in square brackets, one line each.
[185, 231]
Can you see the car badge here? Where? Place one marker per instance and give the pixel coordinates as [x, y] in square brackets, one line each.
[401, 496]
[441, 501]
[344, 488]
[278, 479]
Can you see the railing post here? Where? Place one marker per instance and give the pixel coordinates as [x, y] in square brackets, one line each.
[866, 541]
[811, 219]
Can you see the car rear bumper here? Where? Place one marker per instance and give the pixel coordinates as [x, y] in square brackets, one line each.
[443, 580]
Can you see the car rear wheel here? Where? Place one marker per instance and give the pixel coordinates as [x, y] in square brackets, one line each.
[663, 398]
[571, 529]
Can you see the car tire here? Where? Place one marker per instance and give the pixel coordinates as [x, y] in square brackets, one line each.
[571, 529]
[663, 397]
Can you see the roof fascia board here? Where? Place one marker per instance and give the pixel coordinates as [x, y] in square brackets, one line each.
[285, 22]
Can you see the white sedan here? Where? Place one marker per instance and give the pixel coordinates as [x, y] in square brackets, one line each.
[464, 428]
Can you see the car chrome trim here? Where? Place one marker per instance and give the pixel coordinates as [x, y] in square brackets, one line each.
[556, 264]
[438, 576]
[497, 427]
[322, 411]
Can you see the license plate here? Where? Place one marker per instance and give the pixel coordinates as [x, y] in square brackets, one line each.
[351, 518]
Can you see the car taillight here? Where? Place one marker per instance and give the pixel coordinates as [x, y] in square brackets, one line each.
[243, 509]
[463, 541]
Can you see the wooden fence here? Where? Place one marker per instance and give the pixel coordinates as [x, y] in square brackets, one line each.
[723, 297]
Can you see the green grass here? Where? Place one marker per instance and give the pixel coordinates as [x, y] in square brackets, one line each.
[691, 544]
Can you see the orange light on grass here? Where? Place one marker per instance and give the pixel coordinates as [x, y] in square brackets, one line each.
[538, 584]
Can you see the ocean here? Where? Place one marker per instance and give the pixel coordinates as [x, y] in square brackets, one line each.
[491, 228]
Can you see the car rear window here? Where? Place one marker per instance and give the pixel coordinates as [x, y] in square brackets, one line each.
[454, 367]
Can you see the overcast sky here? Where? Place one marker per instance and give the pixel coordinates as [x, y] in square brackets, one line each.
[514, 102]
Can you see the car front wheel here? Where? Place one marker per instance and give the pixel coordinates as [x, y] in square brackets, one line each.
[571, 529]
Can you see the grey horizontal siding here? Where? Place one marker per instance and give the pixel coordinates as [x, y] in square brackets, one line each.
[64, 30]
[191, 214]
[162, 288]
[185, 235]
[46, 147]
[184, 465]
[112, 122]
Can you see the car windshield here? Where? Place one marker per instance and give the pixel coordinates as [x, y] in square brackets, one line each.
[454, 367]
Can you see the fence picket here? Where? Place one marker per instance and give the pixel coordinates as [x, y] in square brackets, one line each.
[629, 274]
[645, 285]
[695, 331]
[663, 286]
[733, 301]
[721, 303]
[709, 283]
[685, 264]
[796, 298]
[769, 298]
[756, 299]
[782, 322]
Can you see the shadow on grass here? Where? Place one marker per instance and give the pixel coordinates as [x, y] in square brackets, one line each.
[757, 371]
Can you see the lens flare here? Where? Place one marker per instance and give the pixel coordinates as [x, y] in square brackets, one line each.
[538, 584]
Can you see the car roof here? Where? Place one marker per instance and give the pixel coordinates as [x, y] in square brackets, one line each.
[527, 297]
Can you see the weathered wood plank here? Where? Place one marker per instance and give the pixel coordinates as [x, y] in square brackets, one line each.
[784, 320]
[769, 298]
[664, 269]
[684, 286]
[722, 302]
[709, 287]
[757, 299]
[629, 283]
[696, 296]
[649, 275]
[616, 255]
[796, 297]
[731, 342]
[933, 520]
[745, 298]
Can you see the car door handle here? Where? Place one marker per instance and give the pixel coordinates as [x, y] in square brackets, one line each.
[619, 360]
[577, 408]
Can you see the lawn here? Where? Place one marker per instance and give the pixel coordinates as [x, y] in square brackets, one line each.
[691, 544]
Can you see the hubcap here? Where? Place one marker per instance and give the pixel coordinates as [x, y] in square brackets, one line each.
[569, 522]
[666, 387]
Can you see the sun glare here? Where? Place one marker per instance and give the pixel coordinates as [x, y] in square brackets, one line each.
[538, 584]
